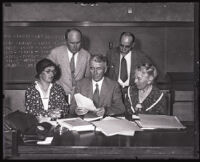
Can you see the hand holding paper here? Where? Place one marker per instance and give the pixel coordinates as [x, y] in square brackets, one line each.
[100, 111]
[81, 110]
[84, 102]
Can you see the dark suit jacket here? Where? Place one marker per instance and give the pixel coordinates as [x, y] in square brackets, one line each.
[110, 95]
[137, 58]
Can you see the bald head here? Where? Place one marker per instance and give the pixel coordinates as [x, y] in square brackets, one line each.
[126, 42]
[73, 39]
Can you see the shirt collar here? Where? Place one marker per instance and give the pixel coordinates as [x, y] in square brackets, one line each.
[99, 83]
[126, 56]
[70, 53]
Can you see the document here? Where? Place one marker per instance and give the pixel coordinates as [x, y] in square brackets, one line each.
[47, 141]
[90, 116]
[76, 124]
[32, 138]
[112, 126]
[85, 102]
[148, 121]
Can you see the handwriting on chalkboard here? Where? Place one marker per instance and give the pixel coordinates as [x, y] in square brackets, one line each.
[25, 50]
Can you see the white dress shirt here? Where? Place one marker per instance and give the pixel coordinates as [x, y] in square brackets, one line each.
[99, 84]
[45, 99]
[70, 54]
[128, 63]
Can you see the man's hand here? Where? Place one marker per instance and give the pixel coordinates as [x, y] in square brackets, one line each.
[100, 111]
[81, 111]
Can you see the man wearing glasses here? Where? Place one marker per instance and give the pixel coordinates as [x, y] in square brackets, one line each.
[123, 60]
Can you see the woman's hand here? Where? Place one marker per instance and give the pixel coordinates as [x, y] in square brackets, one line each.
[55, 114]
[81, 111]
[42, 119]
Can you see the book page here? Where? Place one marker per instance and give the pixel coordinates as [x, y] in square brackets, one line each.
[159, 121]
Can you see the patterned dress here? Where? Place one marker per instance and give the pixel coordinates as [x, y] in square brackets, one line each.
[154, 103]
[34, 105]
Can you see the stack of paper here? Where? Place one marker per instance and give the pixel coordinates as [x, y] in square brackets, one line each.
[76, 124]
[112, 126]
[32, 138]
[159, 121]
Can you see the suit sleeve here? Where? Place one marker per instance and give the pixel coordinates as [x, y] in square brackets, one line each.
[108, 63]
[52, 56]
[87, 72]
[73, 101]
[117, 106]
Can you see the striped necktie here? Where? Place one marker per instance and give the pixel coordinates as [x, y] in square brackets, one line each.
[96, 97]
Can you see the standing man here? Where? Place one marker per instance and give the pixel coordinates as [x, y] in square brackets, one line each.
[123, 60]
[72, 59]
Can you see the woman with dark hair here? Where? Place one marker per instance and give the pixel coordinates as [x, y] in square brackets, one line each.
[144, 97]
[44, 98]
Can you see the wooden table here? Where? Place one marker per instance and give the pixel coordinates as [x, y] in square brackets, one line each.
[147, 144]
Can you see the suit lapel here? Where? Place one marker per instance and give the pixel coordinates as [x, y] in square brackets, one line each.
[79, 62]
[104, 90]
[132, 66]
[89, 90]
[65, 60]
[117, 64]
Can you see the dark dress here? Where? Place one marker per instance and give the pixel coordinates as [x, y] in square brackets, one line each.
[154, 103]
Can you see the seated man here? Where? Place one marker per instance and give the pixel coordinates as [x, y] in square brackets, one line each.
[104, 92]
[144, 97]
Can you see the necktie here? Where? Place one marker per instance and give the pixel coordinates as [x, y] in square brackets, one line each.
[96, 96]
[72, 66]
[123, 72]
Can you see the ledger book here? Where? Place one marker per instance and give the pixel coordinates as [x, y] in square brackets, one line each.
[76, 124]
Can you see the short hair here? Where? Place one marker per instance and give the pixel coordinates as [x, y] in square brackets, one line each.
[72, 29]
[98, 58]
[149, 69]
[127, 34]
[42, 64]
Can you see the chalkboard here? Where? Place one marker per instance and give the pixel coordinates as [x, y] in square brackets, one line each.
[24, 46]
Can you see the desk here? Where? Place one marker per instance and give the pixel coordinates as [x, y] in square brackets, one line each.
[94, 145]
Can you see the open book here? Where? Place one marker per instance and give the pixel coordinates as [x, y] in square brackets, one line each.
[148, 121]
[76, 124]
[113, 126]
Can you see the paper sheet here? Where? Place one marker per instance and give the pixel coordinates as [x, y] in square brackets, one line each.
[148, 121]
[47, 141]
[85, 102]
[111, 126]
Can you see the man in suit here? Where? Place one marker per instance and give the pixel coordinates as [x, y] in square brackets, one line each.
[123, 60]
[72, 59]
[104, 92]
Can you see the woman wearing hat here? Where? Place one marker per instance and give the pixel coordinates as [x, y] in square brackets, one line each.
[44, 98]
